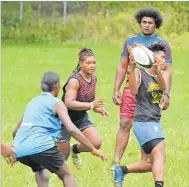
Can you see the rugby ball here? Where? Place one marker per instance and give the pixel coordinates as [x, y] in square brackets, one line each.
[143, 56]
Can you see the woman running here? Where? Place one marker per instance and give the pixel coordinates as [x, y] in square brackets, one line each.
[79, 97]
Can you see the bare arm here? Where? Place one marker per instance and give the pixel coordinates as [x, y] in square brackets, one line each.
[120, 77]
[71, 95]
[165, 101]
[61, 110]
[134, 80]
[17, 127]
[168, 78]
[168, 74]
[161, 80]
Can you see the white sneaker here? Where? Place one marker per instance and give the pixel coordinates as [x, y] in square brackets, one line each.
[76, 159]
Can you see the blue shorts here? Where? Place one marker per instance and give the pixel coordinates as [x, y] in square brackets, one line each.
[147, 131]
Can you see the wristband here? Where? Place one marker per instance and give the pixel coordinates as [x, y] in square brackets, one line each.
[91, 103]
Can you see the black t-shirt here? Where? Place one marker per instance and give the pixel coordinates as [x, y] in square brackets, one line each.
[148, 99]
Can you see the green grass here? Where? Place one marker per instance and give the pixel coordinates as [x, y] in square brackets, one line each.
[22, 69]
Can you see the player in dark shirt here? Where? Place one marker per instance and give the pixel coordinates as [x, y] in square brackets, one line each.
[148, 86]
[79, 96]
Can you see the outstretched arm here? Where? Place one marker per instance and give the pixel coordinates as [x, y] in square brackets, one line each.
[61, 110]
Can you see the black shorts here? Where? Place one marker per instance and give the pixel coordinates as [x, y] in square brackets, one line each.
[51, 159]
[148, 146]
[81, 124]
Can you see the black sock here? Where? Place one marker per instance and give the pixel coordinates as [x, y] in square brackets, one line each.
[159, 183]
[74, 149]
[124, 169]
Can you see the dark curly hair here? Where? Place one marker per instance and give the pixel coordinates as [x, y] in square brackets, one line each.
[149, 12]
[83, 53]
[156, 47]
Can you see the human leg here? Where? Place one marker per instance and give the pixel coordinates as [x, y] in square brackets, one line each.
[138, 167]
[63, 141]
[151, 138]
[159, 157]
[54, 161]
[64, 147]
[86, 126]
[42, 178]
[144, 165]
[93, 136]
[122, 139]
[127, 109]
[41, 174]
[65, 176]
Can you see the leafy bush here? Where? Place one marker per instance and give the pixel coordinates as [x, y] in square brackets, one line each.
[92, 22]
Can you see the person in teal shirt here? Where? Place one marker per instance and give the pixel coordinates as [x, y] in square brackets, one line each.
[35, 134]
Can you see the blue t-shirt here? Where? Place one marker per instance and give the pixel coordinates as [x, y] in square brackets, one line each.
[139, 40]
[39, 127]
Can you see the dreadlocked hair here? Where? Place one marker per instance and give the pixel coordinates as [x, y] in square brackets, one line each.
[149, 12]
[83, 53]
[156, 47]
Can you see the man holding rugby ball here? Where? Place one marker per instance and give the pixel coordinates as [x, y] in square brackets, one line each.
[148, 86]
[148, 19]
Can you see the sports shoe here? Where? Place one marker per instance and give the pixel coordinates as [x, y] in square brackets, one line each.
[118, 176]
[76, 159]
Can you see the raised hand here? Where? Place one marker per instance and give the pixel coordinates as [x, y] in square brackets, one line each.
[159, 63]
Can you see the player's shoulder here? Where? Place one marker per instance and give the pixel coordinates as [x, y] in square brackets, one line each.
[161, 39]
[57, 99]
[75, 77]
[131, 38]
[94, 77]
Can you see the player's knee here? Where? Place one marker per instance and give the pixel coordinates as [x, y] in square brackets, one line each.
[159, 154]
[43, 176]
[97, 144]
[125, 125]
[63, 173]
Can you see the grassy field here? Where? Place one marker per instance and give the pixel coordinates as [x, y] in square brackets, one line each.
[22, 69]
